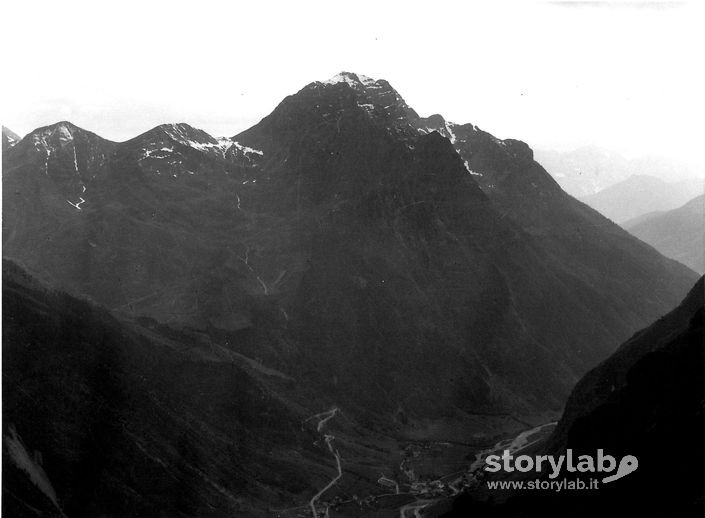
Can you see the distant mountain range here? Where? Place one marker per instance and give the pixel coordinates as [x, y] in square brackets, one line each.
[425, 278]
[678, 233]
[639, 195]
[623, 189]
[591, 169]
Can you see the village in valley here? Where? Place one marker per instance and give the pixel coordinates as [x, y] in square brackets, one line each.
[414, 490]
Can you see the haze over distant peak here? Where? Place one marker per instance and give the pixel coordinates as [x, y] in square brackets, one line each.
[587, 170]
[677, 233]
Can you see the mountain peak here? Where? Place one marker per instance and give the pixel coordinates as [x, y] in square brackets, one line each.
[352, 79]
[359, 83]
[63, 131]
[60, 133]
[179, 133]
[164, 140]
[372, 94]
[63, 134]
[183, 132]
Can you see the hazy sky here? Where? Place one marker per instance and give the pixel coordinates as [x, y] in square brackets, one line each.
[624, 75]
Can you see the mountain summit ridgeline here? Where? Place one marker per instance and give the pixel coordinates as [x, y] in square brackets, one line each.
[345, 237]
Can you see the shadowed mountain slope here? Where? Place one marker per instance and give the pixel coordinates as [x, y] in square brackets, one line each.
[103, 417]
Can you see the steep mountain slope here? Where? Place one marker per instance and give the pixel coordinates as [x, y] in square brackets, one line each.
[509, 174]
[597, 255]
[642, 194]
[679, 233]
[645, 400]
[345, 241]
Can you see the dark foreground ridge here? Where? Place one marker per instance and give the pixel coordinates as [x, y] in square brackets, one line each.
[646, 400]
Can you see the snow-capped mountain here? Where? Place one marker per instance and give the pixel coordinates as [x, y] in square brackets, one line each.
[177, 149]
[342, 169]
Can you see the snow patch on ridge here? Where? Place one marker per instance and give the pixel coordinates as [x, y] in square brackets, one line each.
[351, 79]
[449, 131]
[225, 143]
[150, 153]
[182, 134]
[64, 133]
[247, 149]
[202, 141]
[467, 166]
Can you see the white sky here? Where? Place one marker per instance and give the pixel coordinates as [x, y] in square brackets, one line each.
[623, 75]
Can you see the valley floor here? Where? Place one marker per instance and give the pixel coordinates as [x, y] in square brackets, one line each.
[429, 473]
